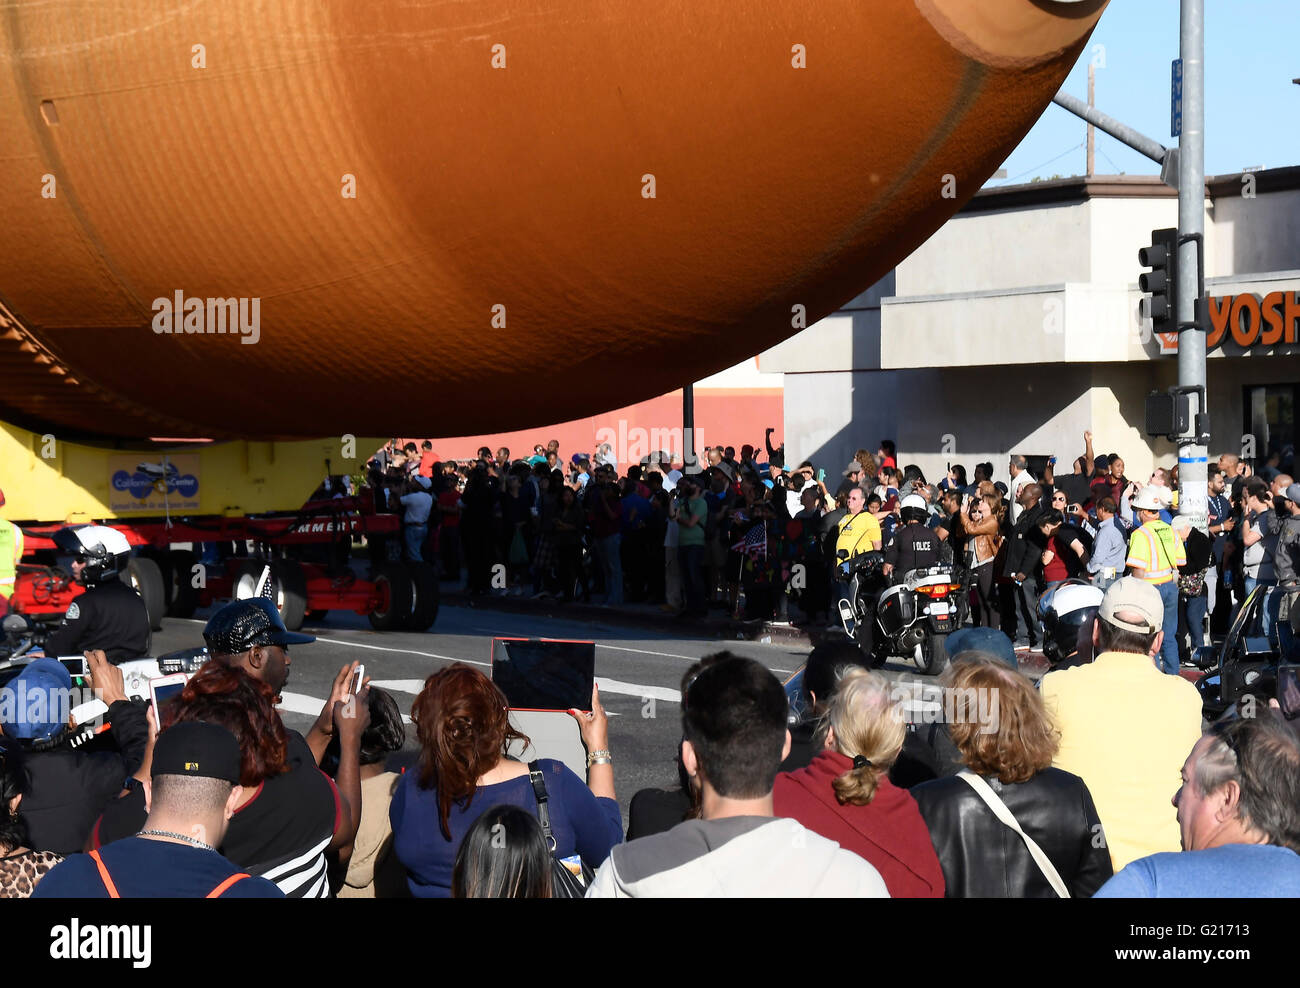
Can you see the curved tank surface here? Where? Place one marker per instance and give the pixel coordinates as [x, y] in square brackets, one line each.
[469, 217]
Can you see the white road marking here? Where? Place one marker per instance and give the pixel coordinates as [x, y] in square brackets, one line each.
[301, 703]
[383, 648]
[632, 689]
[403, 651]
[413, 686]
[646, 651]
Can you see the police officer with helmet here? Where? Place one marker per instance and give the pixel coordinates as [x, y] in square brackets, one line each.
[1068, 612]
[110, 615]
[914, 546]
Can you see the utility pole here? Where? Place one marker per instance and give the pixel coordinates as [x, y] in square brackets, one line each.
[1192, 453]
[1092, 131]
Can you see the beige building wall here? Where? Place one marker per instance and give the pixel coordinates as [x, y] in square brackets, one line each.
[1016, 327]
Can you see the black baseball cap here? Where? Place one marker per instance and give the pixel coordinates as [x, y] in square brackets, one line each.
[243, 624]
[199, 750]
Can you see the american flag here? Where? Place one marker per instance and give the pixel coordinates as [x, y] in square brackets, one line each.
[267, 591]
[755, 538]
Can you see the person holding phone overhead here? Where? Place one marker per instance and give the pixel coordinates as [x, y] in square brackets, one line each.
[462, 722]
[71, 781]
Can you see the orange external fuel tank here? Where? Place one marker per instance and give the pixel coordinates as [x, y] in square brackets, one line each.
[457, 217]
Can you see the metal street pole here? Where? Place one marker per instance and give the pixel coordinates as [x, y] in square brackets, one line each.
[1192, 456]
[1092, 130]
[688, 429]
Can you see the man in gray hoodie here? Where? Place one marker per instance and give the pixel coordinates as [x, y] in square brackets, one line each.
[735, 738]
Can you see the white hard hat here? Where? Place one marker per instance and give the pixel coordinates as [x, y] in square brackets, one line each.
[914, 501]
[1150, 498]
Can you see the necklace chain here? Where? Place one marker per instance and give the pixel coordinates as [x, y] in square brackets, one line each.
[167, 833]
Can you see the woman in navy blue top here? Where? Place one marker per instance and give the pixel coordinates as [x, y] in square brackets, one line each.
[462, 723]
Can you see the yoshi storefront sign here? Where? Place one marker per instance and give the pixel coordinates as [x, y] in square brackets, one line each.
[1247, 320]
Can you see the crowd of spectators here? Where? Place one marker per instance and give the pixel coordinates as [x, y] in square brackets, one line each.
[1099, 780]
[753, 538]
[1072, 789]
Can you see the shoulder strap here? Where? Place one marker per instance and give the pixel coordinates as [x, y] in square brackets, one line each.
[217, 892]
[104, 875]
[1000, 810]
[539, 792]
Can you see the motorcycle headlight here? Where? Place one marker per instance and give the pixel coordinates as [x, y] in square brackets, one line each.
[187, 660]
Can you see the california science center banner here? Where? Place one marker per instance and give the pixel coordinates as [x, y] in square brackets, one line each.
[143, 484]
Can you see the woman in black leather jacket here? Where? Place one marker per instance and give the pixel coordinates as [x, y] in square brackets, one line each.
[1005, 735]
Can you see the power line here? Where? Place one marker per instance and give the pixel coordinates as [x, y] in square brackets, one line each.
[1069, 150]
[1107, 157]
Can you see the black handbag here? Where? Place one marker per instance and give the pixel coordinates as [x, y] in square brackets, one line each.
[564, 883]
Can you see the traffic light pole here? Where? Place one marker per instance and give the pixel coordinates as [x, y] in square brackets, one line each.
[1192, 454]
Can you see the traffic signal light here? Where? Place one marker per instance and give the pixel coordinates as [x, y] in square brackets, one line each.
[1161, 282]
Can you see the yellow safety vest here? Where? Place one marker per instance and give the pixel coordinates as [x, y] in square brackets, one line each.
[11, 550]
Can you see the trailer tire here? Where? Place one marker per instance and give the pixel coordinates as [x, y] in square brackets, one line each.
[183, 600]
[145, 577]
[425, 597]
[290, 586]
[244, 577]
[394, 584]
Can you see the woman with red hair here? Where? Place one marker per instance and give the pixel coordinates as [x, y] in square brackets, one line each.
[462, 721]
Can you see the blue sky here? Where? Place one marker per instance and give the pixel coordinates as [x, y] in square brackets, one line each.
[1252, 110]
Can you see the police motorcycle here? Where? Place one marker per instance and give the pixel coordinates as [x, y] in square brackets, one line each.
[911, 618]
[21, 635]
[1257, 661]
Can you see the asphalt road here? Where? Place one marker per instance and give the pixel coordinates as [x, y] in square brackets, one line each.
[633, 667]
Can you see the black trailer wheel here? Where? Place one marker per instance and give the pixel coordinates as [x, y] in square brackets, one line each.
[288, 587]
[425, 597]
[393, 583]
[145, 578]
[183, 598]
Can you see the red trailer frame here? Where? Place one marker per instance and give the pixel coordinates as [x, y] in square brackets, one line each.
[397, 595]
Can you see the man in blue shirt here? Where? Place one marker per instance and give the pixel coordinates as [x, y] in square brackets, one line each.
[1109, 547]
[193, 794]
[1239, 818]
